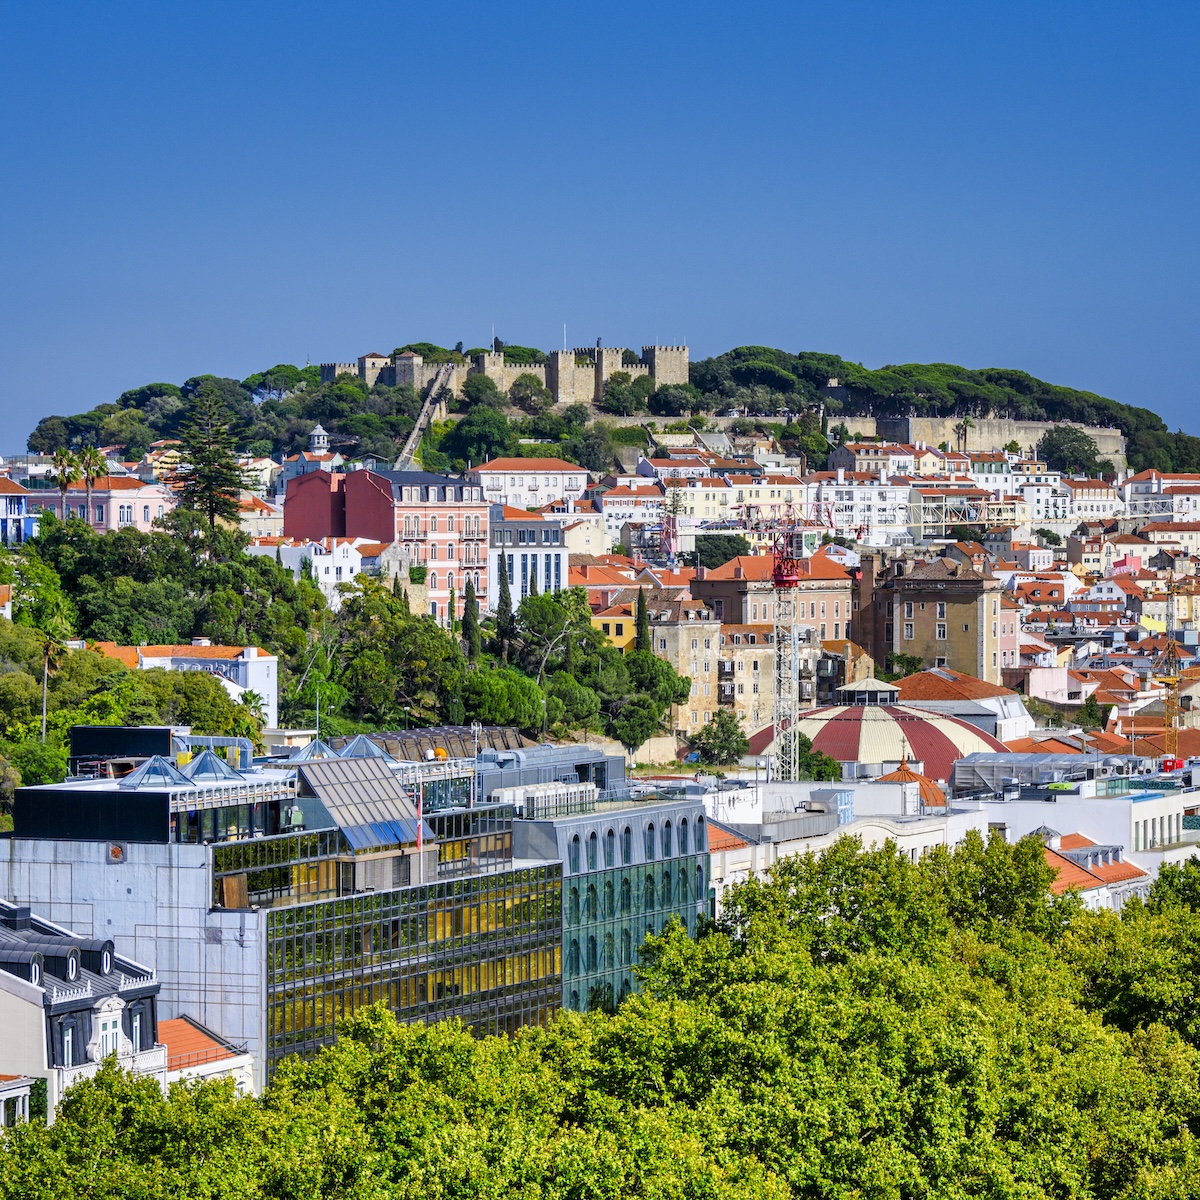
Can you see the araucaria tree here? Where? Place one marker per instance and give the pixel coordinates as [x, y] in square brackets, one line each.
[208, 477]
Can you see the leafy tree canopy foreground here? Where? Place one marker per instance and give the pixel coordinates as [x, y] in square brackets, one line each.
[856, 1027]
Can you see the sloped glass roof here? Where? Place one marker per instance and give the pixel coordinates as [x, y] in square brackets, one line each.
[208, 767]
[366, 801]
[362, 746]
[315, 749]
[155, 772]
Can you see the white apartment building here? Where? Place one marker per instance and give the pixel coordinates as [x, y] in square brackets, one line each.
[1092, 500]
[1158, 496]
[1049, 503]
[529, 482]
[620, 504]
[869, 509]
[332, 560]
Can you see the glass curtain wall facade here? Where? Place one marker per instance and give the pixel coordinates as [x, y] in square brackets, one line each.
[626, 874]
[485, 949]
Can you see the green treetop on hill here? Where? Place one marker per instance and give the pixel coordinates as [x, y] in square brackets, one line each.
[273, 410]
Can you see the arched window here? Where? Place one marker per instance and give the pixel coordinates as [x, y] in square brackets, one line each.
[666, 840]
[573, 1005]
[433, 525]
[666, 889]
[627, 847]
[450, 580]
[433, 581]
[650, 842]
[573, 907]
[592, 962]
[626, 949]
[624, 988]
[609, 897]
[593, 849]
[476, 581]
[648, 895]
[610, 848]
[573, 856]
[573, 960]
[701, 844]
[450, 524]
[606, 960]
[589, 904]
[626, 897]
[683, 841]
[699, 882]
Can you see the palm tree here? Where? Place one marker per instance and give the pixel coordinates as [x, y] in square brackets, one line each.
[64, 468]
[56, 630]
[92, 466]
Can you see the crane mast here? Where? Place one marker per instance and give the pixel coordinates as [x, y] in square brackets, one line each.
[785, 754]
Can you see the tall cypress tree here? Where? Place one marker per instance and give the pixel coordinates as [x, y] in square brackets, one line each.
[642, 639]
[208, 478]
[470, 621]
[505, 625]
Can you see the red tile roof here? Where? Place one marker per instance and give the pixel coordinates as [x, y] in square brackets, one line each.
[528, 465]
[190, 1044]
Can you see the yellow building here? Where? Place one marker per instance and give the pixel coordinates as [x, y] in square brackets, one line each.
[618, 623]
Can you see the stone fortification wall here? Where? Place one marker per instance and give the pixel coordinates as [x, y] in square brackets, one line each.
[503, 374]
[865, 426]
[569, 381]
[990, 433]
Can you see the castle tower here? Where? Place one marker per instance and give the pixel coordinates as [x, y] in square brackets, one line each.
[668, 364]
[608, 360]
[560, 376]
[318, 441]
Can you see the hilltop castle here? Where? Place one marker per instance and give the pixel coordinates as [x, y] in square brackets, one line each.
[573, 376]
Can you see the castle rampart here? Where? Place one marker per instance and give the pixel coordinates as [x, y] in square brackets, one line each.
[569, 381]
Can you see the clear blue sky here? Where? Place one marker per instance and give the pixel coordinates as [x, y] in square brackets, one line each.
[223, 186]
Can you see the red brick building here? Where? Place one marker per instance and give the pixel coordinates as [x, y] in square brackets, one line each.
[441, 521]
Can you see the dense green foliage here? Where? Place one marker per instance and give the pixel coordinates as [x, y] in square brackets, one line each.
[274, 409]
[716, 549]
[766, 381]
[857, 1027]
[721, 743]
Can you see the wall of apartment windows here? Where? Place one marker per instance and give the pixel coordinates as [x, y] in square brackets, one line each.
[485, 949]
[627, 872]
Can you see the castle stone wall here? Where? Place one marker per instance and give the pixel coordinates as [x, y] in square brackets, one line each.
[990, 433]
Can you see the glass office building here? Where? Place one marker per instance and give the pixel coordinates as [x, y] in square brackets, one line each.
[627, 870]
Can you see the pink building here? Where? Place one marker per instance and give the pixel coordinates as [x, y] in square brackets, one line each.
[118, 501]
[441, 521]
[1008, 644]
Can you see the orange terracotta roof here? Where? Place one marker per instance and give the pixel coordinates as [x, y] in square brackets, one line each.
[9, 488]
[527, 465]
[720, 838]
[1045, 746]
[942, 683]
[190, 1044]
[1068, 874]
[129, 655]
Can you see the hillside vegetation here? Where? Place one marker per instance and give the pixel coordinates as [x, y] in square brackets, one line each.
[272, 411]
